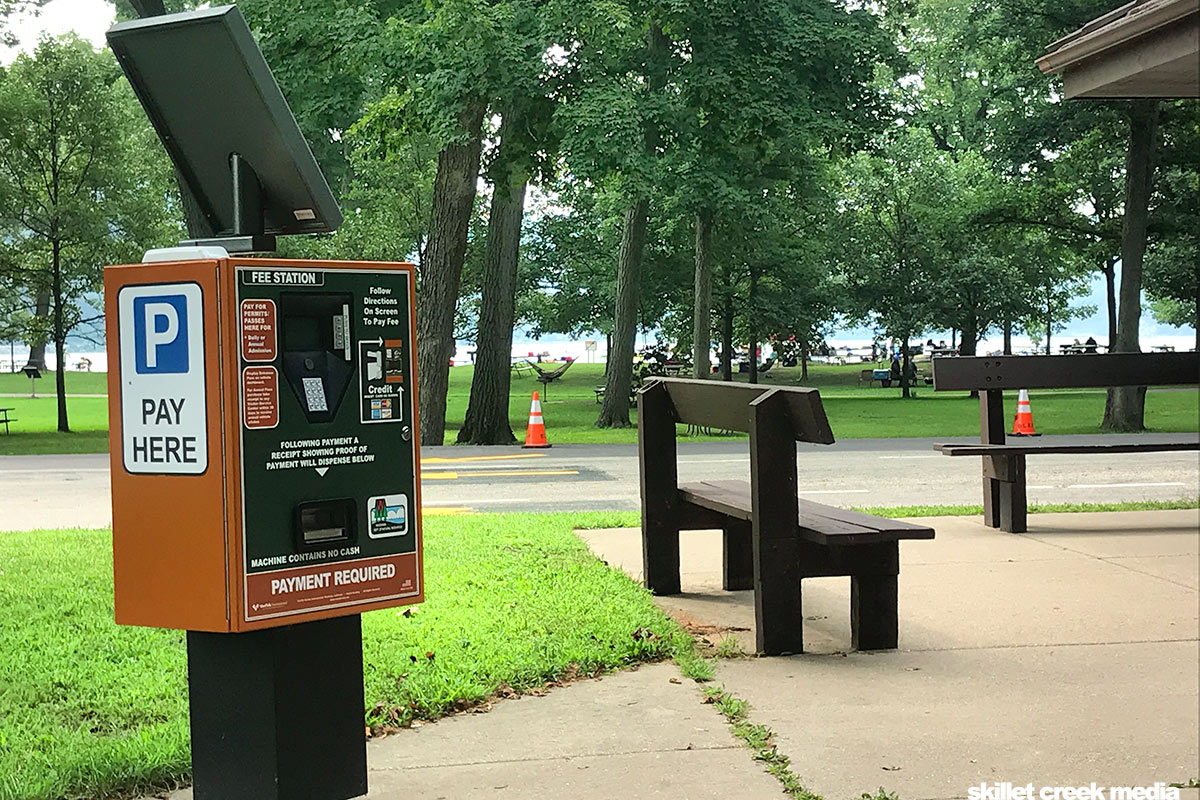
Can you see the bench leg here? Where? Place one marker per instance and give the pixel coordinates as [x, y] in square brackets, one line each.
[1013, 501]
[874, 619]
[738, 557]
[991, 502]
[660, 556]
[778, 618]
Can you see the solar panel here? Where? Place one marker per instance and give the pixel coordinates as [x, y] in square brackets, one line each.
[225, 124]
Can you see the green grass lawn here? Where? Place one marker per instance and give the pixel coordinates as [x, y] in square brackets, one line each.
[570, 410]
[77, 383]
[88, 708]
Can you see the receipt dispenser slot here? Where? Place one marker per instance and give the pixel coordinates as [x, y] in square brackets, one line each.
[323, 522]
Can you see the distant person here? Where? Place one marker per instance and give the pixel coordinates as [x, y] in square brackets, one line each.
[942, 344]
[1089, 346]
[895, 373]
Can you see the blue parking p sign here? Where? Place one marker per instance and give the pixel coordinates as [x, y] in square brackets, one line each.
[164, 403]
[160, 334]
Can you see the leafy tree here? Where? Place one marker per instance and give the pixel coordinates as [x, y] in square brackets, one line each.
[524, 152]
[894, 222]
[80, 185]
[614, 106]
[766, 87]
[389, 195]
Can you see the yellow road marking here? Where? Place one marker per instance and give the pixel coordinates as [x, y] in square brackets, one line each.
[453, 476]
[461, 459]
[445, 511]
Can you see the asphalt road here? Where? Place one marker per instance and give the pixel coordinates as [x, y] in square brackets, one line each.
[73, 490]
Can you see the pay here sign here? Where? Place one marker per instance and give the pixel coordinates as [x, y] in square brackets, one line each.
[164, 421]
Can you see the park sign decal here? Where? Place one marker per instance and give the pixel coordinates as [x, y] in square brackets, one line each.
[164, 419]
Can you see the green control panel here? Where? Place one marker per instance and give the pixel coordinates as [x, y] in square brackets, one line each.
[329, 464]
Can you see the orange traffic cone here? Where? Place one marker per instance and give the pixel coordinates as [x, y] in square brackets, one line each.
[1023, 422]
[535, 433]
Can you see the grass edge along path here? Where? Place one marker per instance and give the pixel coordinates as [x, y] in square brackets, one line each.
[761, 740]
[516, 601]
[900, 512]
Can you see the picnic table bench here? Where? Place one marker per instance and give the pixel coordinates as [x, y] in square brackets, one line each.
[1004, 493]
[600, 391]
[772, 539]
[6, 419]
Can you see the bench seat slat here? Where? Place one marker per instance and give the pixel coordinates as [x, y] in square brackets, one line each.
[819, 523]
[979, 449]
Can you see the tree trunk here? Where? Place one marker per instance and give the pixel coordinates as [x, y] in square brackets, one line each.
[441, 270]
[487, 419]
[1125, 406]
[970, 336]
[953, 341]
[702, 296]
[904, 356]
[618, 380]
[60, 338]
[751, 328]
[727, 336]
[607, 349]
[804, 360]
[1110, 291]
[1049, 318]
[1007, 338]
[37, 350]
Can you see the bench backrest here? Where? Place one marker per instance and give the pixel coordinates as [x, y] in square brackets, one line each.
[731, 406]
[776, 417]
[1054, 372]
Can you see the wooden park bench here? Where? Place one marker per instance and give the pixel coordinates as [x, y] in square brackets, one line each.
[5, 419]
[772, 539]
[1004, 497]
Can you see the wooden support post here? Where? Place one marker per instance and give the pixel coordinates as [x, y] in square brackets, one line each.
[991, 431]
[773, 485]
[660, 490]
[738, 562]
[874, 618]
[1013, 502]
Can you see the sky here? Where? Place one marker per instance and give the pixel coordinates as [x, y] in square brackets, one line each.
[87, 18]
[91, 18]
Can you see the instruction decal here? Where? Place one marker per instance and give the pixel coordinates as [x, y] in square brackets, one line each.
[260, 341]
[260, 397]
[381, 379]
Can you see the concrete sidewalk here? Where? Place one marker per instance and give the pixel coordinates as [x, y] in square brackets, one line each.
[1059, 657]
[1064, 656]
[643, 733]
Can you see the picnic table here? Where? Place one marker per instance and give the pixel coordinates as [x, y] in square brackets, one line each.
[5, 418]
[1004, 496]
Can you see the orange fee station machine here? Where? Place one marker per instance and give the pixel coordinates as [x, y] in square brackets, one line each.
[263, 432]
